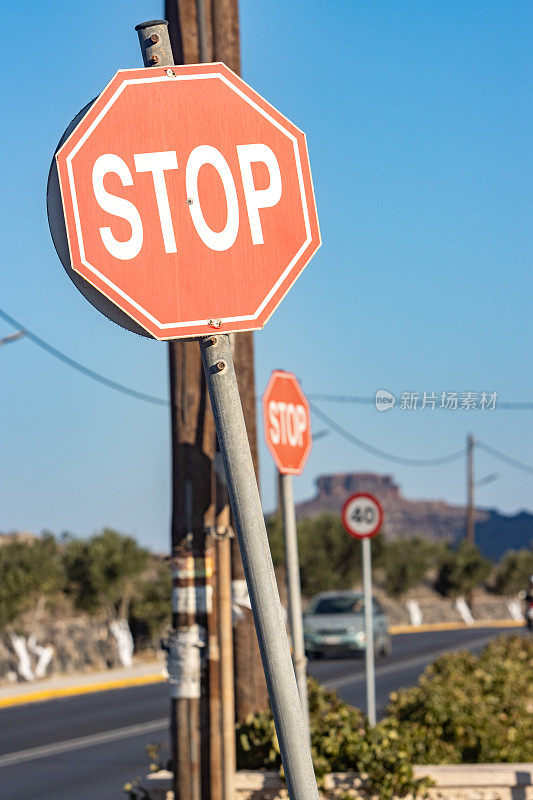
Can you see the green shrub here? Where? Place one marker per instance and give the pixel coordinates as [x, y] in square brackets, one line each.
[329, 558]
[103, 571]
[31, 576]
[514, 571]
[406, 561]
[149, 615]
[257, 743]
[340, 742]
[465, 709]
[462, 570]
[470, 709]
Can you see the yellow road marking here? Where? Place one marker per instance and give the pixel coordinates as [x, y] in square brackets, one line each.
[70, 691]
[455, 626]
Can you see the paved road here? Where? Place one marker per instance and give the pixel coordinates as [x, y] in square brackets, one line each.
[87, 747]
[80, 748]
[411, 653]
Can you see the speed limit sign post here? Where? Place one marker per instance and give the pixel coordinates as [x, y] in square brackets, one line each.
[362, 517]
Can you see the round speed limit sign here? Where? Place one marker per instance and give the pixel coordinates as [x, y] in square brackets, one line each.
[362, 516]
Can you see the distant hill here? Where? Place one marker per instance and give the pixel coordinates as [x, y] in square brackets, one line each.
[433, 519]
[18, 536]
[497, 533]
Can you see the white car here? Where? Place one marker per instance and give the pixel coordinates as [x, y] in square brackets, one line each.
[335, 621]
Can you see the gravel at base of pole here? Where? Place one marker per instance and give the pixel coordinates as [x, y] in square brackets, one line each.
[258, 568]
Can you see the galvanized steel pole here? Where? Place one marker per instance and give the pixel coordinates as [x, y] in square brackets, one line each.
[155, 44]
[369, 635]
[253, 542]
[294, 592]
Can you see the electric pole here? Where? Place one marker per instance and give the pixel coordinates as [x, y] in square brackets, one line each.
[12, 337]
[470, 511]
[193, 654]
[202, 30]
[201, 642]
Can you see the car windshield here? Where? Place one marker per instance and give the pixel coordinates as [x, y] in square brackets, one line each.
[338, 605]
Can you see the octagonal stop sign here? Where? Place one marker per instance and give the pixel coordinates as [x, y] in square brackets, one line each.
[287, 422]
[187, 200]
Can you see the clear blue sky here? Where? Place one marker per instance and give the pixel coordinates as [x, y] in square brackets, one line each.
[418, 120]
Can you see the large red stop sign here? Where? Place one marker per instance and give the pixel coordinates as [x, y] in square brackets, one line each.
[188, 200]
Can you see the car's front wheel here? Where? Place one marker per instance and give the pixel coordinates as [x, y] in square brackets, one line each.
[384, 648]
[312, 654]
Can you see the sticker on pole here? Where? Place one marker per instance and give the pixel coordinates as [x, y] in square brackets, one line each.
[184, 200]
[362, 516]
[287, 421]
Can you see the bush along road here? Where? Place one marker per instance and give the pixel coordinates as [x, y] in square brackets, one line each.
[466, 708]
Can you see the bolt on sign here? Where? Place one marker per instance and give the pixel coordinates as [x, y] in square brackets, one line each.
[287, 422]
[187, 202]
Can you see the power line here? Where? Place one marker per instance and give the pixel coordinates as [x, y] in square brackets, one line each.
[515, 406]
[90, 373]
[159, 401]
[347, 398]
[342, 398]
[414, 462]
[513, 462]
[410, 462]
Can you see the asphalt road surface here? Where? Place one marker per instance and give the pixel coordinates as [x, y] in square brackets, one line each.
[87, 747]
[411, 653]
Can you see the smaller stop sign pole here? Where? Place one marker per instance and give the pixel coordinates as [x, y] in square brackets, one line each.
[287, 424]
[362, 517]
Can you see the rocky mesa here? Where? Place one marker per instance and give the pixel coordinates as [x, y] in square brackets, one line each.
[434, 519]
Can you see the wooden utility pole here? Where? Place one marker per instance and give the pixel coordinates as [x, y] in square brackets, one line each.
[194, 656]
[209, 30]
[470, 511]
[194, 737]
[224, 535]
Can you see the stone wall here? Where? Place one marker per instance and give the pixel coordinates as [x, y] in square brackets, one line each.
[436, 609]
[77, 644]
[452, 782]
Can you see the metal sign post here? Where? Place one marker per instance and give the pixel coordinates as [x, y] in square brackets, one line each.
[287, 422]
[258, 567]
[362, 517]
[294, 592]
[369, 634]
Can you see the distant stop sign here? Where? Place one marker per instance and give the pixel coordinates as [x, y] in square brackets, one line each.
[287, 422]
[362, 516]
[187, 201]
